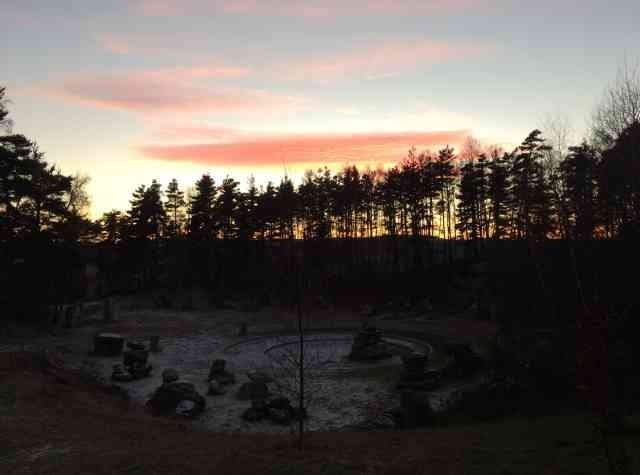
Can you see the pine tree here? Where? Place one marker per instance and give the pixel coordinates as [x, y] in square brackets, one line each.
[147, 215]
[175, 205]
[498, 189]
[203, 222]
[531, 198]
[578, 172]
[226, 206]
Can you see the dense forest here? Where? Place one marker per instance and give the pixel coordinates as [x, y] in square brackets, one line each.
[429, 204]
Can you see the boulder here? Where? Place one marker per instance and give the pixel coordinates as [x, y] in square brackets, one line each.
[140, 370]
[135, 356]
[108, 344]
[136, 345]
[280, 416]
[219, 373]
[369, 345]
[216, 389]
[166, 398]
[186, 409]
[170, 376]
[253, 390]
[218, 366]
[121, 375]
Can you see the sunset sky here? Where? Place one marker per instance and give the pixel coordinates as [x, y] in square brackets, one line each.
[128, 91]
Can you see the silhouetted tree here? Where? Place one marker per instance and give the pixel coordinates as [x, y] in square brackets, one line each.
[226, 205]
[619, 180]
[579, 176]
[111, 226]
[203, 223]
[147, 215]
[531, 200]
[498, 189]
[175, 205]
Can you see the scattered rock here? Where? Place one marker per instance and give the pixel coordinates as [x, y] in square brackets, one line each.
[186, 409]
[170, 376]
[219, 374]
[135, 356]
[253, 390]
[166, 398]
[369, 345]
[216, 389]
[136, 345]
[121, 375]
[140, 370]
[108, 344]
[279, 416]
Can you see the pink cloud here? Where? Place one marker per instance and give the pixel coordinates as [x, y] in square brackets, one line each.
[372, 148]
[197, 133]
[379, 61]
[304, 8]
[151, 92]
[113, 44]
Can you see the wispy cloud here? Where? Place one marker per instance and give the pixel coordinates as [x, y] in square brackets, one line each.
[154, 92]
[113, 43]
[370, 148]
[304, 8]
[379, 61]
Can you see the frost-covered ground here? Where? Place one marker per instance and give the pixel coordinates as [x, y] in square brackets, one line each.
[342, 393]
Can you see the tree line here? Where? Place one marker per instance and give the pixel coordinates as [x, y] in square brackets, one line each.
[540, 190]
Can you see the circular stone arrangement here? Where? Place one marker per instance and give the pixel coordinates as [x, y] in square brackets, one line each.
[341, 392]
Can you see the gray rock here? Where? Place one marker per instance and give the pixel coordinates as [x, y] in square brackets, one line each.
[186, 409]
[279, 416]
[122, 376]
[170, 376]
[135, 356]
[219, 374]
[253, 390]
[136, 345]
[108, 344]
[216, 389]
[167, 397]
